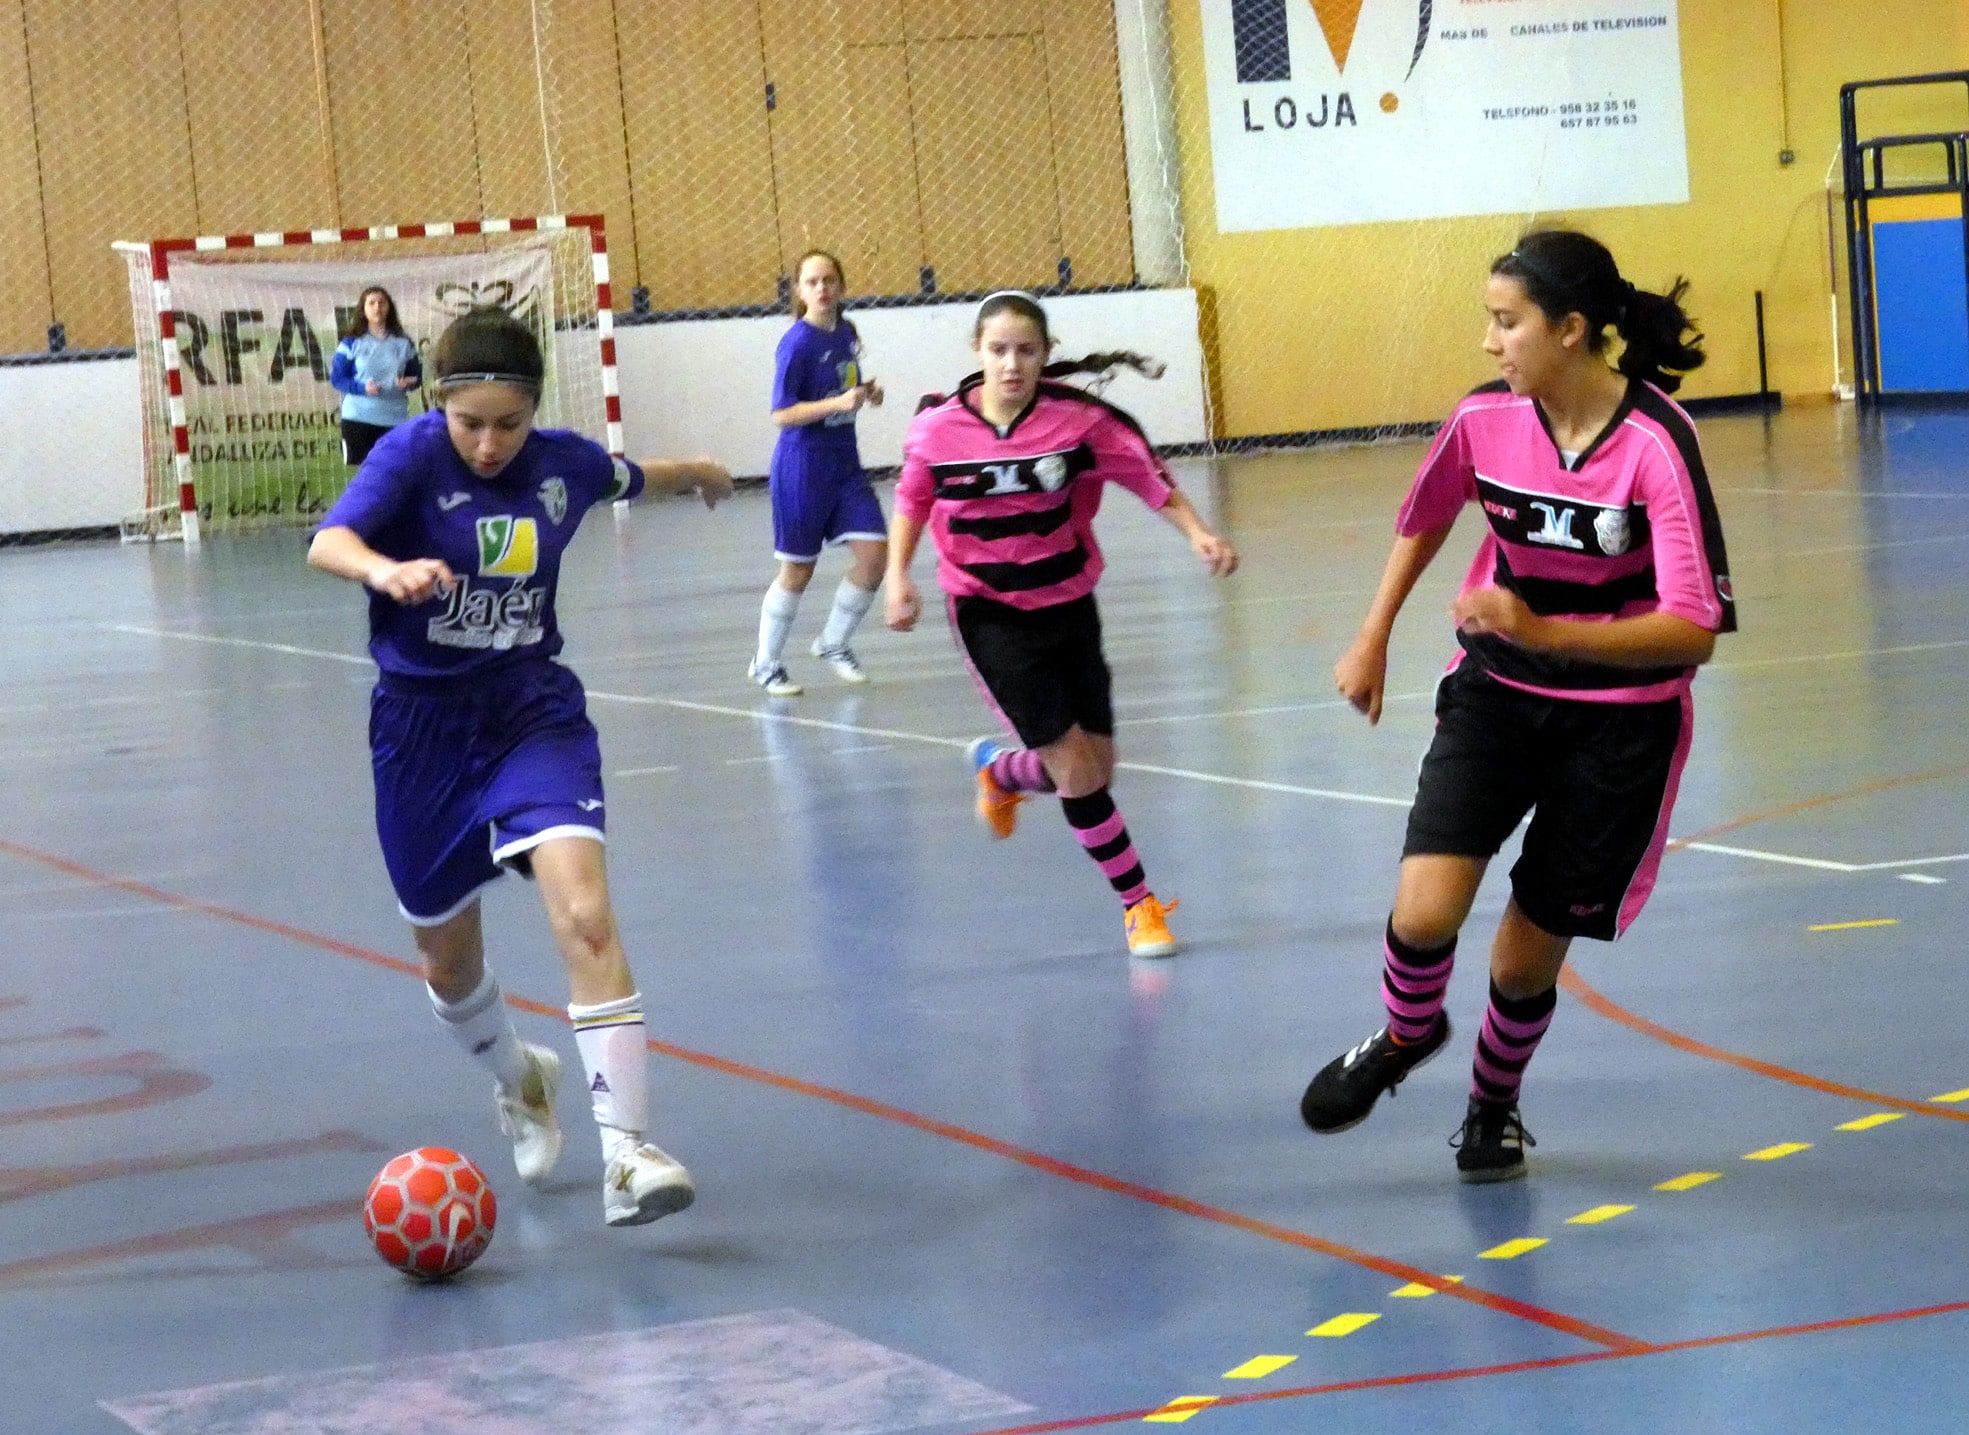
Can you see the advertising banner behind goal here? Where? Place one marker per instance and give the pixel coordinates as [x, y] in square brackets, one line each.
[1354, 111]
[255, 342]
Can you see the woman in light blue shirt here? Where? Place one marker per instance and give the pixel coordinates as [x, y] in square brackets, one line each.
[375, 368]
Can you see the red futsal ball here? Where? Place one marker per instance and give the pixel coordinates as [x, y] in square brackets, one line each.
[430, 1213]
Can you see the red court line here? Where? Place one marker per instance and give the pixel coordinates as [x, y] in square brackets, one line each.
[1479, 1372]
[1577, 986]
[1065, 1170]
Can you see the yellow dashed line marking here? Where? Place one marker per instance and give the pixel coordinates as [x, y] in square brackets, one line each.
[1259, 1366]
[1867, 1123]
[1690, 1181]
[1852, 926]
[1597, 1215]
[1511, 1250]
[1962, 1095]
[1180, 1409]
[1415, 1290]
[1343, 1324]
[1779, 1151]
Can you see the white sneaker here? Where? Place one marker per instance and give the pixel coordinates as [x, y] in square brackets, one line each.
[842, 659]
[774, 680]
[527, 1115]
[642, 1184]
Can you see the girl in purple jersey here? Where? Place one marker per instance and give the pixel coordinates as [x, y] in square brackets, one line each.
[820, 494]
[483, 753]
[1007, 475]
[1599, 588]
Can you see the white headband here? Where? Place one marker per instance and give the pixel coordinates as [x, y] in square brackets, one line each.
[518, 381]
[1030, 298]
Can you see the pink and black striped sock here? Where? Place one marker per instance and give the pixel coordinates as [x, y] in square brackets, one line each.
[1019, 770]
[1414, 982]
[1511, 1032]
[1105, 836]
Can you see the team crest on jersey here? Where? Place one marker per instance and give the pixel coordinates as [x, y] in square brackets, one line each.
[1051, 471]
[509, 547]
[1610, 527]
[553, 496]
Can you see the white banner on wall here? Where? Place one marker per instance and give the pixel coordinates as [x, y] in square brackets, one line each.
[1354, 111]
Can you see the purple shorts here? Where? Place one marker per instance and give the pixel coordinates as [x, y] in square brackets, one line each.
[473, 773]
[820, 499]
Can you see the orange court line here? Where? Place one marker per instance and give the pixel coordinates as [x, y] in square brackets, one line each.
[1576, 986]
[1490, 1300]
[1803, 804]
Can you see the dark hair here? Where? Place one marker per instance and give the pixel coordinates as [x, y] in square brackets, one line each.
[359, 321]
[1565, 272]
[799, 307]
[488, 346]
[1102, 365]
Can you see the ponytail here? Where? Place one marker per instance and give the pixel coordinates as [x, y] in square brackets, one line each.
[1564, 272]
[1651, 327]
[1102, 366]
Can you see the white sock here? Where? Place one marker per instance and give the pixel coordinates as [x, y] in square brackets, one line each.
[612, 1036]
[482, 1025]
[850, 606]
[775, 618]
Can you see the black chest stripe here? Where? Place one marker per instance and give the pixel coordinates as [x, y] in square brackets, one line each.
[1038, 521]
[1024, 577]
[1565, 525]
[1009, 477]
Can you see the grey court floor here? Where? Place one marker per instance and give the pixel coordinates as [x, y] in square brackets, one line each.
[964, 1167]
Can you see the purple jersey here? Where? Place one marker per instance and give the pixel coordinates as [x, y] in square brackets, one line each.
[1012, 514]
[810, 364]
[503, 538]
[1628, 528]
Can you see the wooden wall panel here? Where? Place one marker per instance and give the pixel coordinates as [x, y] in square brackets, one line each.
[700, 156]
[1084, 92]
[510, 114]
[115, 153]
[585, 87]
[259, 156]
[856, 22]
[972, 19]
[844, 159]
[24, 303]
[990, 210]
[400, 96]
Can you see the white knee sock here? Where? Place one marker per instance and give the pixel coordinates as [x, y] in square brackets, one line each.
[775, 617]
[484, 1027]
[850, 606]
[611, 1036]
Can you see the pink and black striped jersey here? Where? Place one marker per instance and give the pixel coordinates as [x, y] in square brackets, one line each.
[1012, 512]
[1629, 527]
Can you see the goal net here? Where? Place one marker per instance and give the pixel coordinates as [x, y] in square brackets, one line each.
[236, 335]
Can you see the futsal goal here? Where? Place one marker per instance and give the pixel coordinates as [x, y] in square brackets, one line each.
[235, 335]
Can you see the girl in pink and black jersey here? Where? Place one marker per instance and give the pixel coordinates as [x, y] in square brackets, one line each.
[1599, 588]
[1007, 475]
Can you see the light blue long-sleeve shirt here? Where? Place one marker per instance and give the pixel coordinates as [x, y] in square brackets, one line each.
[367, 359]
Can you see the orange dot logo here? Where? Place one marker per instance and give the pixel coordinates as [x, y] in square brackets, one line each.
[1390, 103]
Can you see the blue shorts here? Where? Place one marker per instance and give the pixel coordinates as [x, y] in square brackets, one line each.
[473, 773]
[817, 500]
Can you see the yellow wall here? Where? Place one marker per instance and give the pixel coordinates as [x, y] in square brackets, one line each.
[1376, 324]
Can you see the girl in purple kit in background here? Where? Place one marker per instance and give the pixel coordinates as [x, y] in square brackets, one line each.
[1599, 588]
[1007, 476]
[820, 494]
[484, 757]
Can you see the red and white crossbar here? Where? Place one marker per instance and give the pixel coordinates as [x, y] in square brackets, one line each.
[161, 251]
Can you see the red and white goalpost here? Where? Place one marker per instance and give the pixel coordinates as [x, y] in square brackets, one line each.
[234, 334]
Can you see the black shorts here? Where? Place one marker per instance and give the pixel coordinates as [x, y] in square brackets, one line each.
[358, 439]
[1598, 778]
[1041, 668]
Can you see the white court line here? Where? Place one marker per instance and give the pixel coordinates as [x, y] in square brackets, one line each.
[645, 771]
[899, 735]
[1835, 493]
[1838, 657]
[1266, 712]
[1883, 543]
